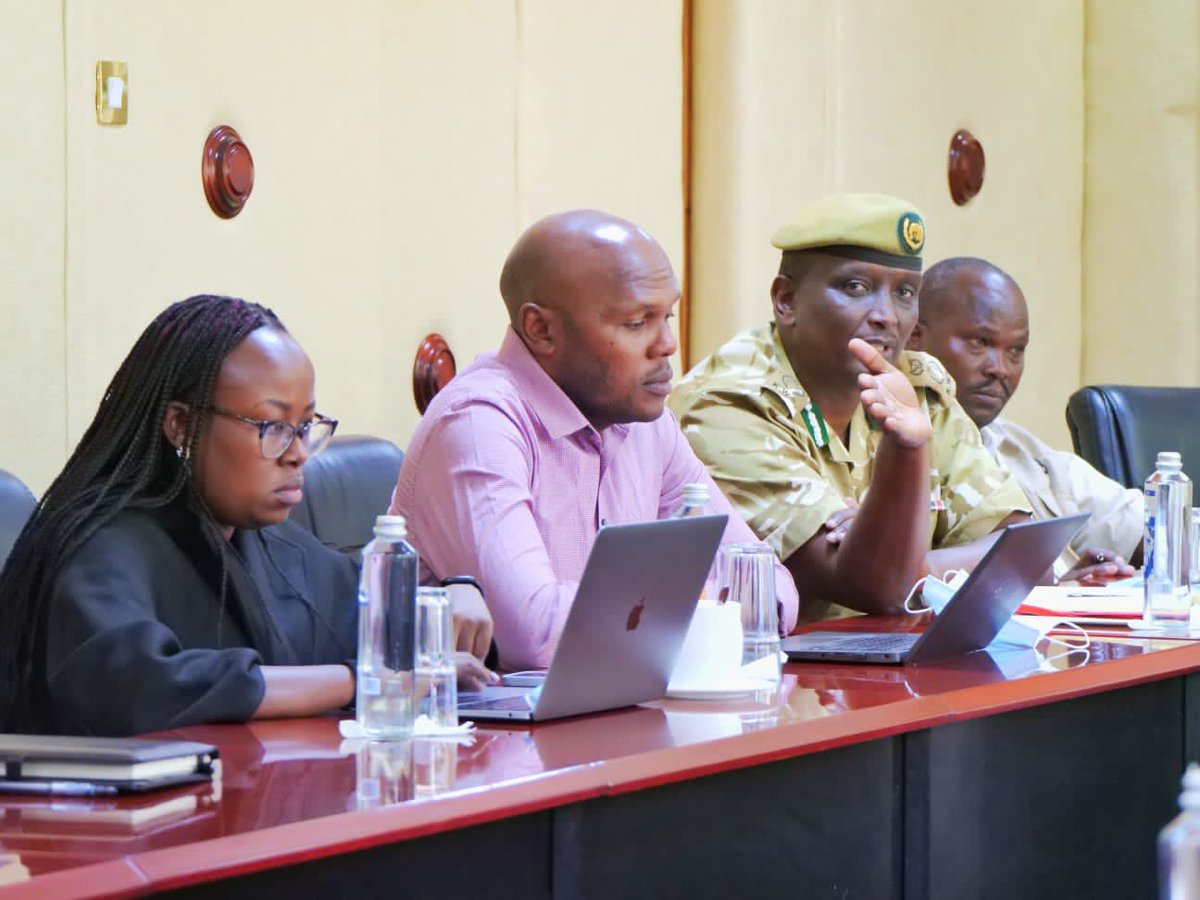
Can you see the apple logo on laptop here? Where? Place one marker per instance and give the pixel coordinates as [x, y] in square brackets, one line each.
[1006, 589]
[635, 615]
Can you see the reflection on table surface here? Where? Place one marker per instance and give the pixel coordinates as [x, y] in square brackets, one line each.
[286, 771]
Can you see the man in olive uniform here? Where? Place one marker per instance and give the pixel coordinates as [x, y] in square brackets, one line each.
[843, 451]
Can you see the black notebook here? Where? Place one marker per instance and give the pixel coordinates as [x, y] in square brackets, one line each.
[87, 766]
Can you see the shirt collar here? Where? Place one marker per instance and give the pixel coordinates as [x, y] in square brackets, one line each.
[783, 382]
[554, 408]
[798, 401]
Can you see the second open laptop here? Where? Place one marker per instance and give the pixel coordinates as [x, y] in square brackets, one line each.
[625, 628]
[975, 614]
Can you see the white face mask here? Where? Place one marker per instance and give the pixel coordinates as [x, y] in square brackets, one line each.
[1017, 663]
[1020, 632]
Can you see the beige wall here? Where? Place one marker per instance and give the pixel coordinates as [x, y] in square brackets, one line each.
[32, 372]
[795, 100]
[448, 149]
[401, 146]
[1141, 249]
[399, 149]
[139, 232]
[501, 116]
[600, 108]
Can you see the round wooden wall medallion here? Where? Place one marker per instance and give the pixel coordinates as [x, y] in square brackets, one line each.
[966, 166]
[227, 171]
[432, 369]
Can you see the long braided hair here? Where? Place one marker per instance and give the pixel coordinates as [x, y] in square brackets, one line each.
[122, 461]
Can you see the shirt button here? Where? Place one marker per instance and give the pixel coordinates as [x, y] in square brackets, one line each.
[603, 522]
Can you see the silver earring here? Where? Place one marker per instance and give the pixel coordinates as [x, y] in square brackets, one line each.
[179, 451]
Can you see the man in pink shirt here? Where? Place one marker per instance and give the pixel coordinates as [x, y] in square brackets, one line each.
[528, 452]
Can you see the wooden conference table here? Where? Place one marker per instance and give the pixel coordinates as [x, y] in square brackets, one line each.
[974, 778]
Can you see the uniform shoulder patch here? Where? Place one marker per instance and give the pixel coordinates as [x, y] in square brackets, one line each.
[924, 370]
[936, 372]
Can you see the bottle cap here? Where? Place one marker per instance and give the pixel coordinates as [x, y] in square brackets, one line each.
[393, 527]
[695, 494]
[1169, 459]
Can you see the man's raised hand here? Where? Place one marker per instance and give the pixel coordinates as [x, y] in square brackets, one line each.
[889, 398]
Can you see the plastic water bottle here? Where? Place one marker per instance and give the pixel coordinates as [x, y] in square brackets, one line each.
[1166, 546]
[386, 631]
[383, 773]
[437, 677]
[694, 503]
[1179, 845]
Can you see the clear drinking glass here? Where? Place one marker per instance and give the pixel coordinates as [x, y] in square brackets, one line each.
[437, 680]
[435, 766]
[749, 570]
[1194, 569]
[1194, 578]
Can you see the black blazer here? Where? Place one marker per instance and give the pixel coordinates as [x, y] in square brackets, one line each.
[138, 636]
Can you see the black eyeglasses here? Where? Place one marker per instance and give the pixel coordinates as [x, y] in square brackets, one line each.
[274, 437]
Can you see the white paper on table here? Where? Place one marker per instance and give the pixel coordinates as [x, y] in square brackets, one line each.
[423, 727]
[1076, 602]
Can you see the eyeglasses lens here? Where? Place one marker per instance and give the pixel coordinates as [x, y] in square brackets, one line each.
[276, 439]
[319, 433]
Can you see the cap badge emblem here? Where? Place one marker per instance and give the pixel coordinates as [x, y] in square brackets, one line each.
[911, 232]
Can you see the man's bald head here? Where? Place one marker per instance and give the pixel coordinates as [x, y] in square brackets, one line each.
[972, 316]
[955, 282]
[591, 297]
[559, 260]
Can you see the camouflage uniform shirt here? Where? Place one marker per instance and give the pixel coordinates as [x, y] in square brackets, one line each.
[750, 421]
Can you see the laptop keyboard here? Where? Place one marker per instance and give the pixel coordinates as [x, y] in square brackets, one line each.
[878, 643]
[522, 703]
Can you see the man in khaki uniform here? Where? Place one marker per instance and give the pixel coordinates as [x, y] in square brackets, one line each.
[823, 410]
[973, 318]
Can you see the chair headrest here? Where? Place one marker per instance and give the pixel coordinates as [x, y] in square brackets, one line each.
[345, 488]
[16, 503]
[1121, 428]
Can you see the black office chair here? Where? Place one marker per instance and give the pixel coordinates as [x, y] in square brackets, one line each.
[345, 488]
[16, 503]
[1120, 429]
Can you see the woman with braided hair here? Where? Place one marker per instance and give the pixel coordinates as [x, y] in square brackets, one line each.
[158, 584]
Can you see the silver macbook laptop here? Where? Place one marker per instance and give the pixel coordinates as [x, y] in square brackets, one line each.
[974, 615]
[625, 628]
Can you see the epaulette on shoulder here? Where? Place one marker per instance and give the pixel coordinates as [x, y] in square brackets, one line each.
[925, 371]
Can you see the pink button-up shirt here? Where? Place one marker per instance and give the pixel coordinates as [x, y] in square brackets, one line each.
[507, 481]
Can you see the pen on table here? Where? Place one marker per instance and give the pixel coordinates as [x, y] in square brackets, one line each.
[59, 788]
